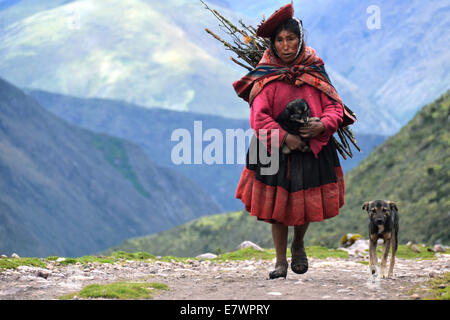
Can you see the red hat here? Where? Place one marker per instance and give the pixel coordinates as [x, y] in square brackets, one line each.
[266, 29]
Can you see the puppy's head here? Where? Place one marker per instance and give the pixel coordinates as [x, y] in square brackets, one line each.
[299, 110]
[379, 211]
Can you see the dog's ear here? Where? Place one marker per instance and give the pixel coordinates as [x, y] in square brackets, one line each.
[365, 205]
[392, 205]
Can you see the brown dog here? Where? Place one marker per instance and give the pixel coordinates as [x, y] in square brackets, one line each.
[383, 223]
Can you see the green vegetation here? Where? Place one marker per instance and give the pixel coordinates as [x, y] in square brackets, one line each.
[247, 254]
[269, 254]
[114, 257]
[405, 252]
[13, 263]
[242, 254]
[132, 256]
[52, 258]
[216, 234]
[323, 253]
[119, 290]
[436, 289]
[87, 259]
[439, 288]
[116, 155]
[118, 256]
[318, 252]
[176, 259]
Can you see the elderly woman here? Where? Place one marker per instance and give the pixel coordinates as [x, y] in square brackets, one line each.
[308, 186]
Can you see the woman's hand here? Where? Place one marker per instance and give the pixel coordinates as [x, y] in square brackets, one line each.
[294, 142]
[312, 129]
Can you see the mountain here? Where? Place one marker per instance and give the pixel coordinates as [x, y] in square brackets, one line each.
[411, 168]
[216, 233]
[152, 129]
[143, 57]
[69, 191]
[396, 66]
[156, 54]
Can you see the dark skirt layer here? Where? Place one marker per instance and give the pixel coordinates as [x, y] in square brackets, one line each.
[304, 189]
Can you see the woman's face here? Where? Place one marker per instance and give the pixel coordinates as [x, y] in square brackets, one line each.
[286, 44]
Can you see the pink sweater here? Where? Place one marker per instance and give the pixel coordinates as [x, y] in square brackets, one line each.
[272, 100]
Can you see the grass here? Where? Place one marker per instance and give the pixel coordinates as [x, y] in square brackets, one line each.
[119, 290]
[436, 289]
[323, 253]
[132, 256]
[268, 254]
[405, 252]
[176, 259]
[13, 263]
[246, 254]
[439, 288]
[113, 258]
[318, 252]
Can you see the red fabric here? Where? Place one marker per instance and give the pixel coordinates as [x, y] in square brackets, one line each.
[274, 97]
[277, 205]
[266, 29]
[307, 69]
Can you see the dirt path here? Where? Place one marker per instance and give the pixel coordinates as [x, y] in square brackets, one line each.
[329, 278]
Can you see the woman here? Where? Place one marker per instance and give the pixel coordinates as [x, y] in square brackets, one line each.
[308, 186]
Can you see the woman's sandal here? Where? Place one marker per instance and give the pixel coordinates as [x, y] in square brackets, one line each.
[299, 263]
[280, 271]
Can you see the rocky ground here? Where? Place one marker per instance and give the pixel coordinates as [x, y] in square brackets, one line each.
[329, 278]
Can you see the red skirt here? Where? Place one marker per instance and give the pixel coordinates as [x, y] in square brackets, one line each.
[304, 189]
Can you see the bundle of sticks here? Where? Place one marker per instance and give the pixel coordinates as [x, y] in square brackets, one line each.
[250, 48]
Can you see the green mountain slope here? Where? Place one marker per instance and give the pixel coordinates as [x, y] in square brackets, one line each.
[69, 191]
[411, 168]
[217, 233]
[123, 50]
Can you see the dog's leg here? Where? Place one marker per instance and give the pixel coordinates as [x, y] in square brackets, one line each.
[386, 246]
[373, 254]
[394, 251]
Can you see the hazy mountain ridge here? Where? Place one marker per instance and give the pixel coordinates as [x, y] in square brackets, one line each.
[159, 67]
[399, 65]
[66, 190]
[158, 55]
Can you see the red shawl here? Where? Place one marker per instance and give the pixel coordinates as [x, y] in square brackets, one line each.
[307, 68]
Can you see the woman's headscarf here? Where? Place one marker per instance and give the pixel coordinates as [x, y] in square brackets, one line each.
[307, 68]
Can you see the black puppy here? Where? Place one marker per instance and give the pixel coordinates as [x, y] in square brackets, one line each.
[293, 117]
[383, 223]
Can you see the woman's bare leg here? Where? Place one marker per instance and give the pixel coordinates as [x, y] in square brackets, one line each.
[299, 262]
[280, 235]
[299, 234]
